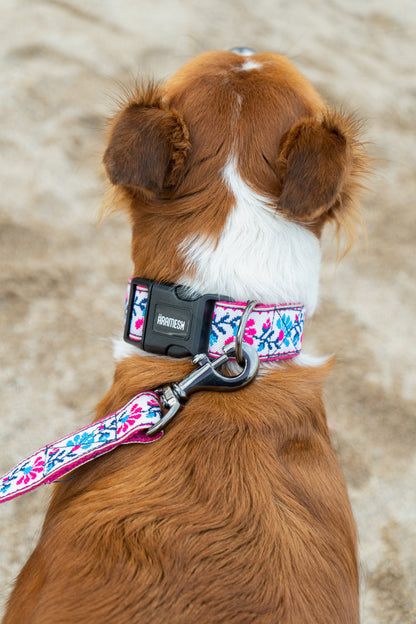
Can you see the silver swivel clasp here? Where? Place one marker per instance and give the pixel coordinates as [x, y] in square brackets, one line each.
[207, 375]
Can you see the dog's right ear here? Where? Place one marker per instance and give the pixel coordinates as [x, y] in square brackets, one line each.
[148, 144]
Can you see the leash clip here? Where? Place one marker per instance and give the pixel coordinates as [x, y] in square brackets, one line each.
[206, 377]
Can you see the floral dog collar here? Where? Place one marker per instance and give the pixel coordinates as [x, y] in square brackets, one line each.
[274, 330]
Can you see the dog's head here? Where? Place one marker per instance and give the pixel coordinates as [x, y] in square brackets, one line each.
[229, 171]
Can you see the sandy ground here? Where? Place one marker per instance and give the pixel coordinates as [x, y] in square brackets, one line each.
[63, 279]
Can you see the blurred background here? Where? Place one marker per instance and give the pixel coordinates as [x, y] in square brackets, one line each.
[63, 278]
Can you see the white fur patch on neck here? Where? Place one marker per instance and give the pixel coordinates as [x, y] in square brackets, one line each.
[259, 255]
[122, 350]
[250, 65]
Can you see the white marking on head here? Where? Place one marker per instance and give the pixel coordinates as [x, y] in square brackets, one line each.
[236, 112]
[250, 65]
[259, 255]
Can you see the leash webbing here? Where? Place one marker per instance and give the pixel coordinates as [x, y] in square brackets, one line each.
[51, 462]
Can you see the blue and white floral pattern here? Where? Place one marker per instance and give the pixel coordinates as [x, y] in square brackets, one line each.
[275, 331]
[125, 426]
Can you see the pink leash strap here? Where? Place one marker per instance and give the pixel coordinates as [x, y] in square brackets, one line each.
[125, 426]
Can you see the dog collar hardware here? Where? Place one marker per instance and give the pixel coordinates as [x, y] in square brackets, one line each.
[169, 321]
[140, 421]
[164, 319]
[206, 377]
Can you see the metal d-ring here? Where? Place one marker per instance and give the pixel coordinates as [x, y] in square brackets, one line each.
[241, 329]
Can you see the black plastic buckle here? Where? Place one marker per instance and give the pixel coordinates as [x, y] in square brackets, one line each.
[175, 323]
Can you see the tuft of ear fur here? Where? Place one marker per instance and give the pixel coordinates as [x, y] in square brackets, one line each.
[147, 145]
[321, 165]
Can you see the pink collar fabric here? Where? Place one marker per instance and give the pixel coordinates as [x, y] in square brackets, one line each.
[51, 462]
[275, 331]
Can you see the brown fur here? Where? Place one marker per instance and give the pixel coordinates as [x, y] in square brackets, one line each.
[240, 513]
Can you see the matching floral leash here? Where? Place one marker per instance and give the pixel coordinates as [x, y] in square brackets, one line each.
[51, 462]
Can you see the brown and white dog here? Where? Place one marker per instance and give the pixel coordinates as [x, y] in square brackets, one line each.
[229, 172]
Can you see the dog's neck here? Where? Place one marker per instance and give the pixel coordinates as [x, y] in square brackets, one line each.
[259, 254]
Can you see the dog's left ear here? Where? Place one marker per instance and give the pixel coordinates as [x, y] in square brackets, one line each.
[147, 145]
[320, 164]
